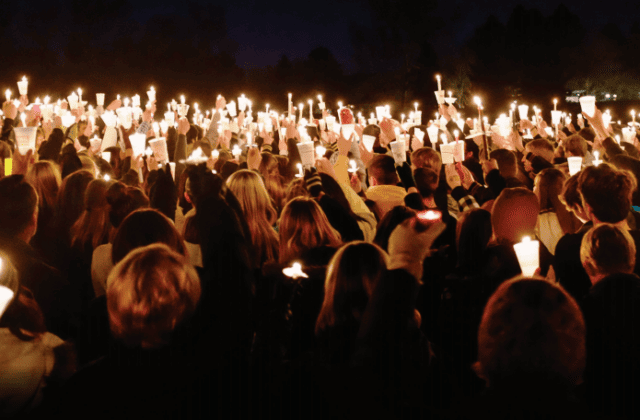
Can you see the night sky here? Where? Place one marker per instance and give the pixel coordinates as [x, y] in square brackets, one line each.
[259, 32]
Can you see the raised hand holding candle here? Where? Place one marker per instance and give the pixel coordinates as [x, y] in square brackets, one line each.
[528, 253]
[23, 85]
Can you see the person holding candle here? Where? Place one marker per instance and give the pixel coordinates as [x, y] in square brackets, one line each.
[514, 215]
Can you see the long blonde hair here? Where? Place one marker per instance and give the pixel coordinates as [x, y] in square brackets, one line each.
[304, 226]
[248, 188]
[44, 176]
[93, 226]
[351, 277]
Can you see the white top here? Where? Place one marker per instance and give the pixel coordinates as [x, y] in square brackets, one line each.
[549, 231]
[24, 368]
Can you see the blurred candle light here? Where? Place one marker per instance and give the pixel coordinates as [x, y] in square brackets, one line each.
[528, 254]
[295, 271]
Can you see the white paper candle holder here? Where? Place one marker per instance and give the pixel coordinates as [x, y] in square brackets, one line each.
[588, 105]
[26, 138]
[528, 254]
[575, 164]
[398, 150]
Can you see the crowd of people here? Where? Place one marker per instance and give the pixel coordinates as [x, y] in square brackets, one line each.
[227, 279]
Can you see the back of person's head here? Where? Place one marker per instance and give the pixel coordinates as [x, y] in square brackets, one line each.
[389, 222]
[575, 145]
[570, 195]
[607, 250]
[18, 204]
[247, 186]
[351, 277]
[122, 200]
[93, 226]
[548, 187]
[22, 315]
[607, 192]
[44, 176]
[587, 133]
[273, 181]
[382, 168]
[88, 164]
[470, 146]
[426, 157]
[296, 188]
[249, 190]
[426, 181]
[304, 226]
[507, 162]
[70, 203]
[514, 215]
[70, 163]
[473, 233]
[542, 148]
[150, 294]
[532, 332]
[144, 227]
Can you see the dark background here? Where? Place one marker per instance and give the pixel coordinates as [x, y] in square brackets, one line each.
[363, 52]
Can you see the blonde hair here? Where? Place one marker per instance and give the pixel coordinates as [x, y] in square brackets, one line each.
[304, 226]
[351, 277]
[273, 181]
[608, 250]
[44, 176]
[248, 188]
[150, 292]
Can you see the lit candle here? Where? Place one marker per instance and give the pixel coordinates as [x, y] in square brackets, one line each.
[401, 118]
[555, 104]
[300, 106]
[46, 100]
[444, 138]
[7, 93]
[80, 94]
[295, 271]
[168, 107]
[182, 99]
[415, 104]
[290, 104]
[215, 154]
[151, 93]
[633, 115]
[249, 138]
[236, 151]
[300, 174]
[126, 102]
[456, 133]
[597, 160]
[23, 85]
[23, 118]
[118, 97]
[354, 166]
[310, 101]
[267, 106]
[321, 151]
[438, 79]
[450, 95]
[528, 254]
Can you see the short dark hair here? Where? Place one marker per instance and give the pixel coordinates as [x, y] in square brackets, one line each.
[607, 191]
[18, 202]
[576, 145]
[507, 162]
[383, 169]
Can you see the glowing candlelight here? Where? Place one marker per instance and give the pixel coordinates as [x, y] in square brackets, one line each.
[456, 133]
[236, 151]
[450, 95]
[321, 151]
[438, 79]
[182, 99]
[401, 118]
[118, 97]
[215, 154]
[300, 107]
[151, 93]
[310, 101]
[23, 118]
[444, 138]
[80, 94]
[633, 115]
[354, 166]
[415, 105]
[126, 102]
[555, 104]
[300, 174]
[339, 104]
[23, 85]
[7, 93]
[528, 254]
[295, 271]
[46, 100]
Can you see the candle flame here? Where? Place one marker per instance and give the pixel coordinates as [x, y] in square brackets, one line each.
[526, 239]
[477, 100]
[24, 78]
